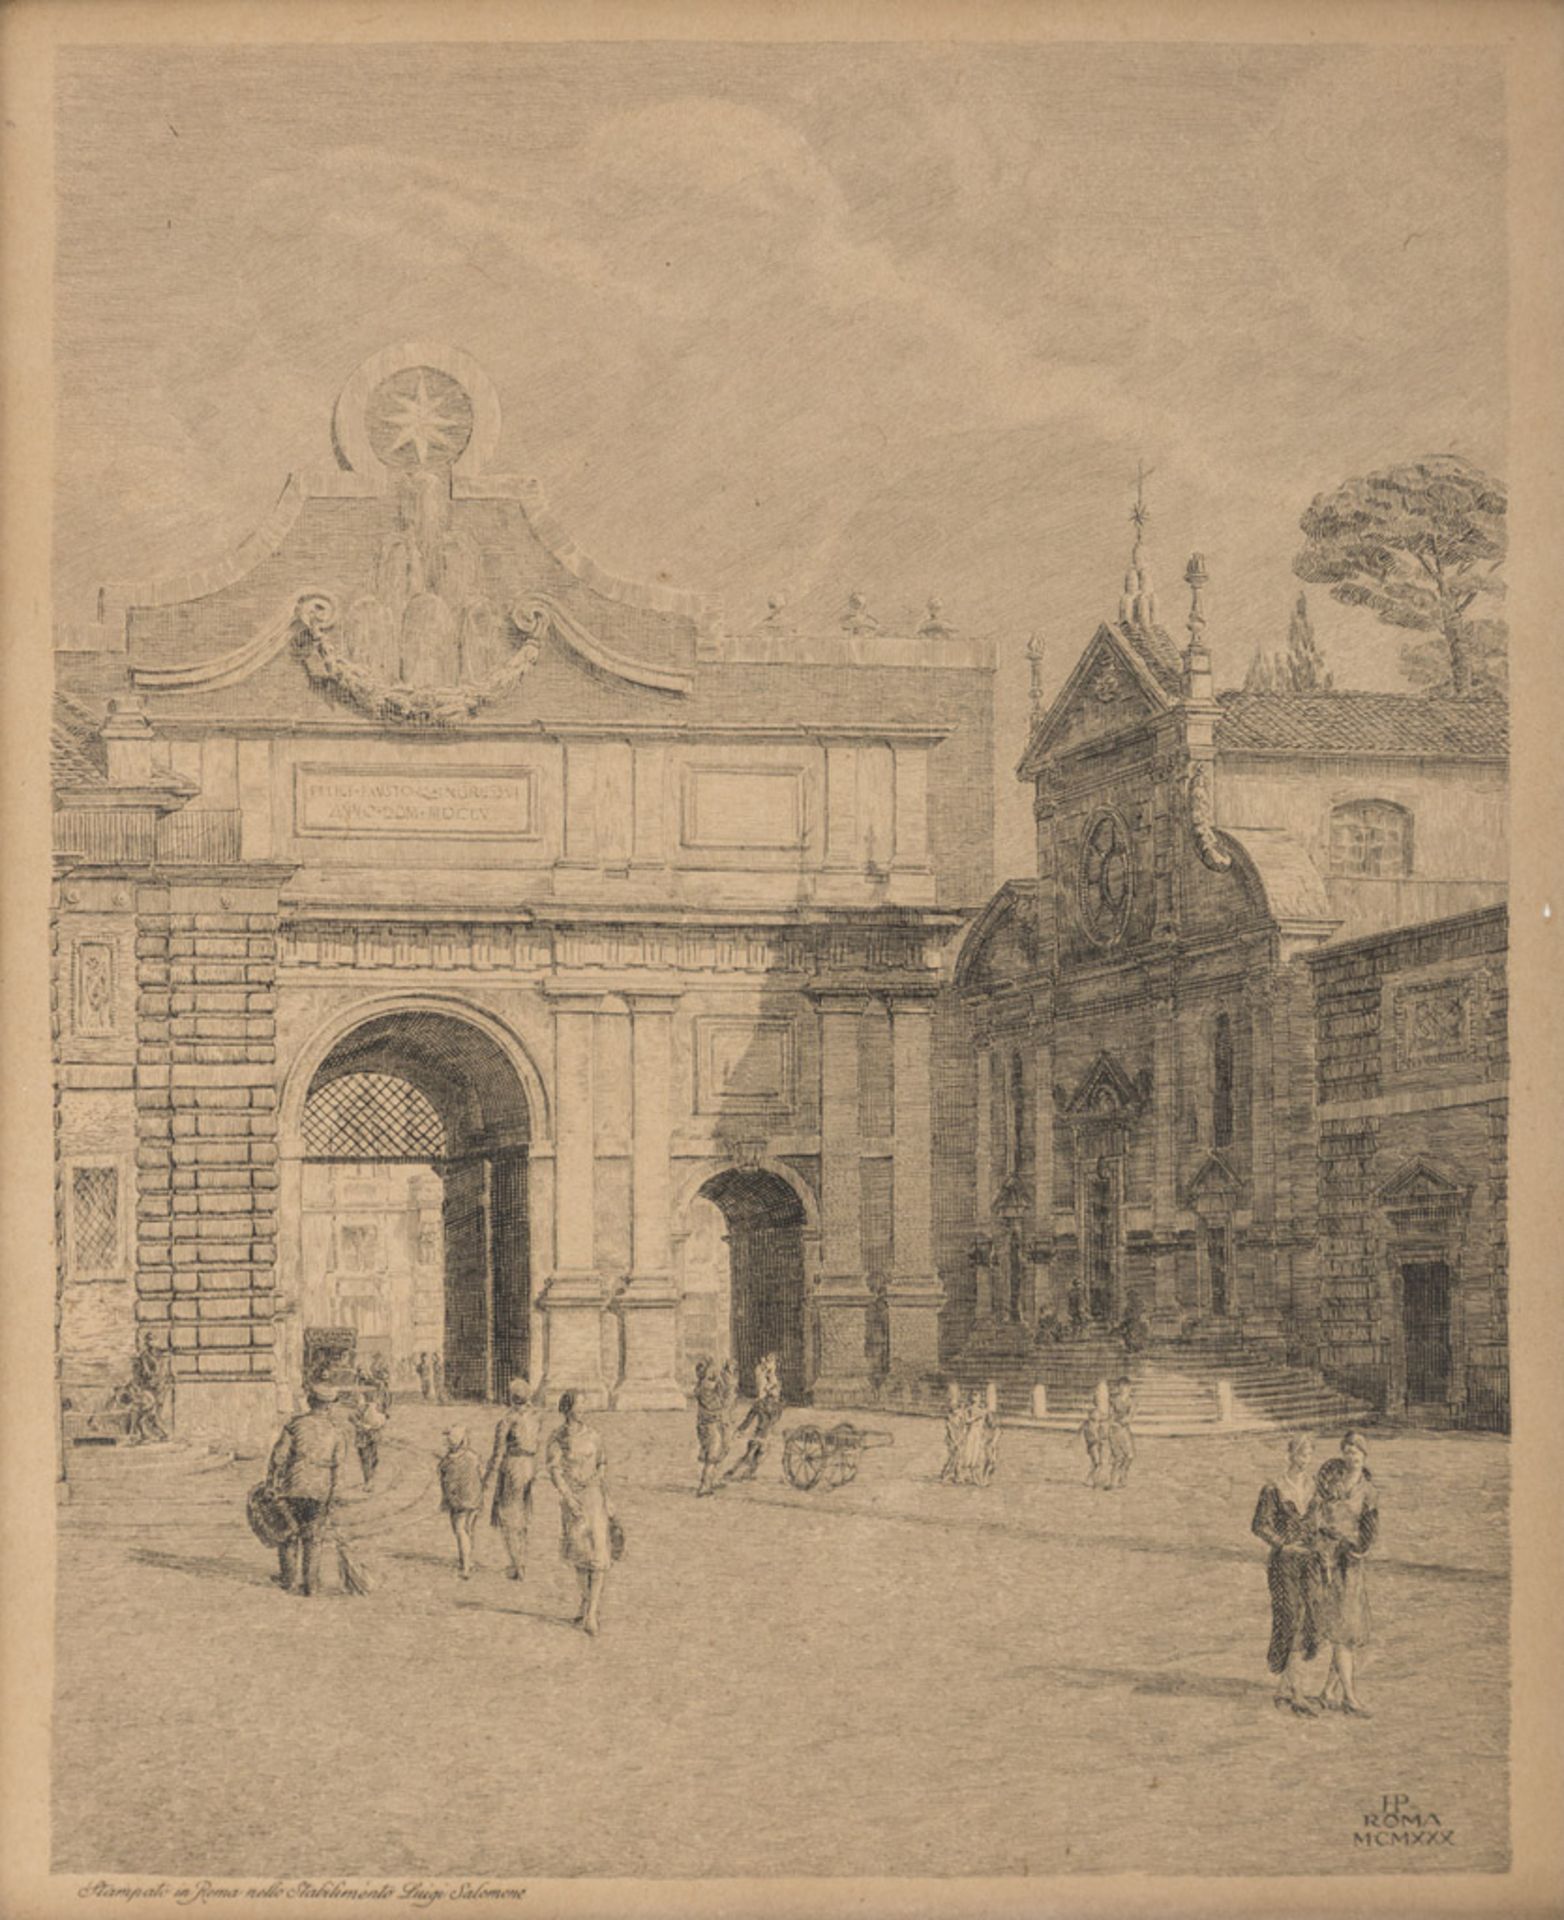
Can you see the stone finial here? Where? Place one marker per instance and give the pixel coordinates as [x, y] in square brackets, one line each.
[1197, 661]
[857, 618]
[1034, 662]
[934, 626]
[1195, 574]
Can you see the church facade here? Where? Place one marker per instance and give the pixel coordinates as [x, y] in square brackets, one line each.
[1173, 1071]
[460, 950]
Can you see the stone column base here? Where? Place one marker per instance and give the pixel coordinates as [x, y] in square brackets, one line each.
[913, 1307]
[648, 1310]
[572, 1307]
[842, 1378]
[241, 1414]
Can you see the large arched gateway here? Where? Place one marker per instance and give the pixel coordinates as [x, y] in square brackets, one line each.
[764, 1219]
[413, 1214]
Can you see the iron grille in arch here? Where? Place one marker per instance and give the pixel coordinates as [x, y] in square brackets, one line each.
[371, 1116]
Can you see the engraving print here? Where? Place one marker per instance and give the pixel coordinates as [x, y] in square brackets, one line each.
[824, 1195]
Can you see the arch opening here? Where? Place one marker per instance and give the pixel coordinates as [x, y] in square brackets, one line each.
[764, 1219]
[414, 1205]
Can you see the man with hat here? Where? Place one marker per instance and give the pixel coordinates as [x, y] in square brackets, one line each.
[303, 1472]
[510, 1472]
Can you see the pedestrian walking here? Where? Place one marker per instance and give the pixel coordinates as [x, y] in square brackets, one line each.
[1121, 1437]
[578, 1467]
[1094, 1431]
[304, 1472]
[437, 1374]
[368, 1425]
[711, 1422]
[1281, 1520]
[425, 1377]
[461, 1495]
[764, 1413]
[511, 1469]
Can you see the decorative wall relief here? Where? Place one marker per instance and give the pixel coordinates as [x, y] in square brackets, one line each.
[1202, 820]
[92, 987]
[1434, 1021]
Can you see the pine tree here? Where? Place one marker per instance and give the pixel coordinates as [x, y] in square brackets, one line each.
[1261, 677]
[1304, 667]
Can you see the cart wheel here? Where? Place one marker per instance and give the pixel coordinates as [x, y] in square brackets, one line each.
[844, 1467]
[803, 1457]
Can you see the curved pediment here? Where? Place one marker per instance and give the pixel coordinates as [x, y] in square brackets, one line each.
[1001, 944]
[408, 581]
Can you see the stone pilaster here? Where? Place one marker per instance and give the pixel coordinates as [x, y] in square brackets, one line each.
[1042, 1249]
[206, 1098]
[914, 1297]
[983, 1185]
[842, 1299]
[572, 1302]
[649, 1304]
[1164, 1193]
[1261, 996]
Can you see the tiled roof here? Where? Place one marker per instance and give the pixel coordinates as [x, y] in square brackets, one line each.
[76, 754]
[1386, 723]
[1153, 646]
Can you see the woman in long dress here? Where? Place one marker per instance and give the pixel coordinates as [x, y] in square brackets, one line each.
[973, 1447]
[1281, 1521]
[577, 1465]
[510, 1471]
[1344, 1520]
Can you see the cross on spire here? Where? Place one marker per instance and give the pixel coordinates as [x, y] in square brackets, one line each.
[1138, 607]
[1140, 513]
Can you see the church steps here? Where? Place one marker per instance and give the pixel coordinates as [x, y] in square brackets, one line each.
[1175, 1389]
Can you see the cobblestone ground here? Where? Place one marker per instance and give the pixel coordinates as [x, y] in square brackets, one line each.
[895, 1677]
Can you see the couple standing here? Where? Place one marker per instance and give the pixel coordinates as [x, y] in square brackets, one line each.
[1319, 1527]
[971, 1439]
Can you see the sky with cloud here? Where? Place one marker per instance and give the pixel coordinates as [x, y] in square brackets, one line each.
[800, 319]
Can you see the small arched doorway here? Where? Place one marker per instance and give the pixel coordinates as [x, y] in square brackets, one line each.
[765, 1233]
[414, 1216]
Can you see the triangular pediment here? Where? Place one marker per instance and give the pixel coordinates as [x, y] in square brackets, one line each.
[1111, 689]
[1106, 1091]
[1421, 1182]
[1213, 1181]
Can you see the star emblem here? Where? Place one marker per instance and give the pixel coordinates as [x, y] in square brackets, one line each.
[420, 421]
[419, 417]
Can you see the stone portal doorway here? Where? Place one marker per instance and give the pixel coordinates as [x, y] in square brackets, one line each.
[765, 1223]
[1425, 1319]
[415, 1133]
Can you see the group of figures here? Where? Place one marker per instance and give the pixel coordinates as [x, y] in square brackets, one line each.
[971, 1439]
[430, 1368]
[1133, 1332]
[1319, 1526]
[304, 1480]
[716, 1394]
[1109, 1435]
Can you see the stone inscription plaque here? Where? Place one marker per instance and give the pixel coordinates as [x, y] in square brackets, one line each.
[459, 801]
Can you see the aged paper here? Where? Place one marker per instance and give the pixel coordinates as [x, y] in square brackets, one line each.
[779, 959]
